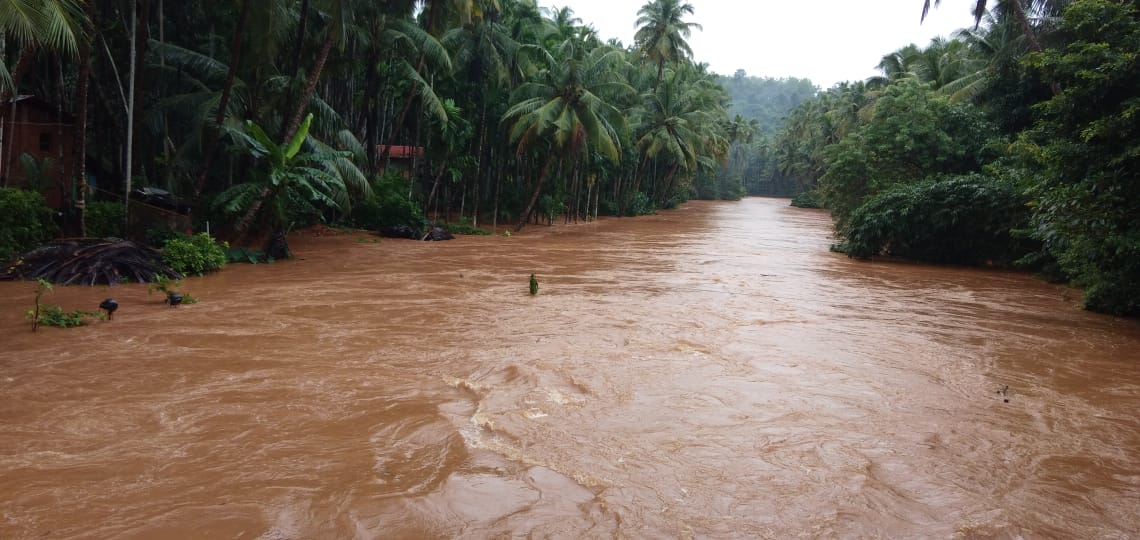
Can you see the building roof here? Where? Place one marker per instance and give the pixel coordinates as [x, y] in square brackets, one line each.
[401, 152]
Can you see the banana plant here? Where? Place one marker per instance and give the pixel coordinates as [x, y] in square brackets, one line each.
[287, 172]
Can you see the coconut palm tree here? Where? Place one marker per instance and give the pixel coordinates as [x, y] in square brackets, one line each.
[662, 30]
[670, 125]
[562, 110]
[1020, 10]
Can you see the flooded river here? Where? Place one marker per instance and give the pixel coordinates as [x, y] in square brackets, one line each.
[709, 372]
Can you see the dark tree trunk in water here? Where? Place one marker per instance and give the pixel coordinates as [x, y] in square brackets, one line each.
[278, 245]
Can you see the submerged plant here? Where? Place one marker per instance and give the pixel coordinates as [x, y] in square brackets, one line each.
[533, 285]
[170, 290]
[42, 286]
[55, 315]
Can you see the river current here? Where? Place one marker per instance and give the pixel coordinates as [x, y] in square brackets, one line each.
[708, 372]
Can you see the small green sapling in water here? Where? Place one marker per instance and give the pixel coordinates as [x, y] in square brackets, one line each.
[55, 315]
[533, 285]
[42, 286]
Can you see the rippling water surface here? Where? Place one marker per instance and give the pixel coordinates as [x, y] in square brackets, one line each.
[709, 372]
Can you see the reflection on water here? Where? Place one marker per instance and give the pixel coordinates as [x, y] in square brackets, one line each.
[707, 372]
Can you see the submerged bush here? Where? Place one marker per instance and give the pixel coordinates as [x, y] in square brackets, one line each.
[961, 220]
[194, 255]
[25, 222]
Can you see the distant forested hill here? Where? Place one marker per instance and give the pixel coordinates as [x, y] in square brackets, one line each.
[766, 99]
[759, 106]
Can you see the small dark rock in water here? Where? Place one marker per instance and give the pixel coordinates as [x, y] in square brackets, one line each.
[109, 305]
[401, 231]
[1004, 391]
[437, 234]
[174, 299]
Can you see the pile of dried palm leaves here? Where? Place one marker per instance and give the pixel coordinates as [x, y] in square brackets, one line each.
[90, 261]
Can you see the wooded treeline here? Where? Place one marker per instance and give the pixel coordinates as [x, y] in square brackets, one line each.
[269, 114]
[761, 104]
[1015, 142]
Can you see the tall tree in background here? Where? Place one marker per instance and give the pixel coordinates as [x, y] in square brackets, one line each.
[662, 31]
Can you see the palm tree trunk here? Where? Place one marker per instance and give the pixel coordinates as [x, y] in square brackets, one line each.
[310, 87]
[81, 91]
[130, 121]
[670, 183]
[223, 102]
[435, 185]
[537, 191]
[1031, 36]
[301, 26]
[1023, 21]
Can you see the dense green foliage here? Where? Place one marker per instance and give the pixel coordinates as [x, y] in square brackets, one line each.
[1086, 145]
[387, 206]
[194, 255]
[911, 134]
[806, 199]
[25, 222]
[961, 220]
[1047, 106]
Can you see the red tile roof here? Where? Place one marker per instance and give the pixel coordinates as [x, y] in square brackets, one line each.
[401, 152]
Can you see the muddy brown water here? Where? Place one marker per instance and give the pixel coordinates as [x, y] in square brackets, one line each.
[709, 372]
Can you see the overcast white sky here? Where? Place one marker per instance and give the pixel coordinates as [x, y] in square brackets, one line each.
[827, 41]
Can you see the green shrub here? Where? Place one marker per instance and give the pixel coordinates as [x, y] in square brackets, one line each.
[388, 206]
[195, 255]
[961, 220]
[25, 222]
[105, 218]
[807, 199]
[640, 205]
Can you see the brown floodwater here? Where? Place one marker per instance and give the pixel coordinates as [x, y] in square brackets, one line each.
[708, 372]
